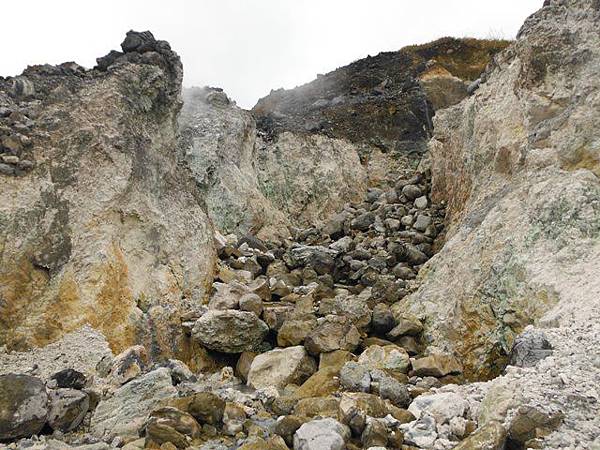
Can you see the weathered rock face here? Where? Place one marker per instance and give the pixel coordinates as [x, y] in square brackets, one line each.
[376, 100]
[253, 185]
[518, 164]
[101, 226]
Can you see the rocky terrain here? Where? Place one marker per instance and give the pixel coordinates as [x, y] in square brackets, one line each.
[401, 254]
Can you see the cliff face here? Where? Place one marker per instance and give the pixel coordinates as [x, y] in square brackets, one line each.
[301, 154]
[253, 185]
[384, 103]
[98, 223]
[518, 164]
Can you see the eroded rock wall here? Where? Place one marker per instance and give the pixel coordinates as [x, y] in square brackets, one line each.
[101, 226]
[257, 186]
[518, 164]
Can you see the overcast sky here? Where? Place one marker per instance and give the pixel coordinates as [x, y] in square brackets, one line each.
[247, 47]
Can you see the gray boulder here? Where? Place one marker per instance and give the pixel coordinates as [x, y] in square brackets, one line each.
[530, 347]
[23, 406]
[125, 412]
[323, 434]
[67, 409]
[355, 377]
[229, 331]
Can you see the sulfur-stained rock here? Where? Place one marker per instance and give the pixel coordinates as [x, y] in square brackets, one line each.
[388, 357]
[491, 436]
[436, 365]
[294, 330]
[207, 408]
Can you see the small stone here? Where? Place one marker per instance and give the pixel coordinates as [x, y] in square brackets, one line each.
[421, 202]
[407, 220]
[403, 272]
[355, 377]
[411, 191]
[10, 159]
[243, 365]
[5, 169]
[422, 222]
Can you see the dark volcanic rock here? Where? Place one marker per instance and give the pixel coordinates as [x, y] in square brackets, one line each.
[23, 406]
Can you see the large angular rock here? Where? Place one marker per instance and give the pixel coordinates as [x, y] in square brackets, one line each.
[67, 409]
[443, 407]
[23, 406]
[323, 434]
[125, 412]
[436, 365]
[169, 424]
[281, 367]
[334, 333]
[388, 357]
[491, 436]
[229, 331]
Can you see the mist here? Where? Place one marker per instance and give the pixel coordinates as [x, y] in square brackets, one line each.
[247, 47]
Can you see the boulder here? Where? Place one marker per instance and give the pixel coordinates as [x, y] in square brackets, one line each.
[334, 333]
[388, 357]
[322, 434]
[443, 407]
[491, 436]
[229, 331]
[125, 412]
[23, 406]
[396, 392]
[287, 426]
[128, 364]
[67, 409]
[169, 424]
[280, 367]
[355, 377]
[294, 330]
[67, 379]
[436, 365]
[420, 433]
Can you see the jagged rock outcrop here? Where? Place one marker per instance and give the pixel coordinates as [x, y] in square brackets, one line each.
[383, 104]
[101, 226]
[259, 187]
[518, 164]
[301, 154]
